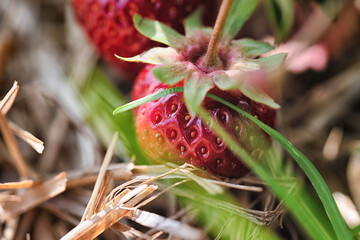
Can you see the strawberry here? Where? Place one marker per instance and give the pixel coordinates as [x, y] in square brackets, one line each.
[201, 62]
[166, 130]
[108, 23]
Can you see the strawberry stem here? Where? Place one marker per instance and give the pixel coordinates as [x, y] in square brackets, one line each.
[211, 57]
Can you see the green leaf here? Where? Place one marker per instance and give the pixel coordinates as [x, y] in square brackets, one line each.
[281, 14]
[269, 63]
[158, 32]
[157, 56]
[252, 48]
[258, 96]
[228, 80]
[239, 13]
[338, 223]
[193, 22]
[171, 74]
[146, 99]
[195, 89]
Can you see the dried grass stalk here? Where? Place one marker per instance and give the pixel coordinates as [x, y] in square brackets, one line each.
[93, 227]
[27, 137]
[16, 185]
[89, 211]
[129, 231]
[162, 171]
[171, 226]
[81, 177]
[35, 196]
[13, 147]
[8, 100]
[104, 188]
[237, 186]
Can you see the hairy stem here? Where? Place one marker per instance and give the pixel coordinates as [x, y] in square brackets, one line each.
[211, 57]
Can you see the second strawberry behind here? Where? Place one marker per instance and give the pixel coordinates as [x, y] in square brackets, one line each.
[109, 25]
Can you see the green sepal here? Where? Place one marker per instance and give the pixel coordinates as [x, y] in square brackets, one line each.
[258, 96]
[171, 74]
[157, 55]
[240, 12]
[228, 80]
[158, 32]
[252, 48]
[195, 89]
[269, 63]
[193, 23]
[233, 79]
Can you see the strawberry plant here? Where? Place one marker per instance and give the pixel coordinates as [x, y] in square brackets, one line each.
[168, 128]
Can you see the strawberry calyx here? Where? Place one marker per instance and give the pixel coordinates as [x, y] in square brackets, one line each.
[184, 59]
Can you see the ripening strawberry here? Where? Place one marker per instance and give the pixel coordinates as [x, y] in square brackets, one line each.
[169, 129]
[167, 132]
[108, 23]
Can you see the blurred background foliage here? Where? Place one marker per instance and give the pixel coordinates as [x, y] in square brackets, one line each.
[68, 93]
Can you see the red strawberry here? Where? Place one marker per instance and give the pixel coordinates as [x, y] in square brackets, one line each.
[109, 25]
[166, 130]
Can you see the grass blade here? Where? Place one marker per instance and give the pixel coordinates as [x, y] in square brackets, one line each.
[341, 229]
[146, 99]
